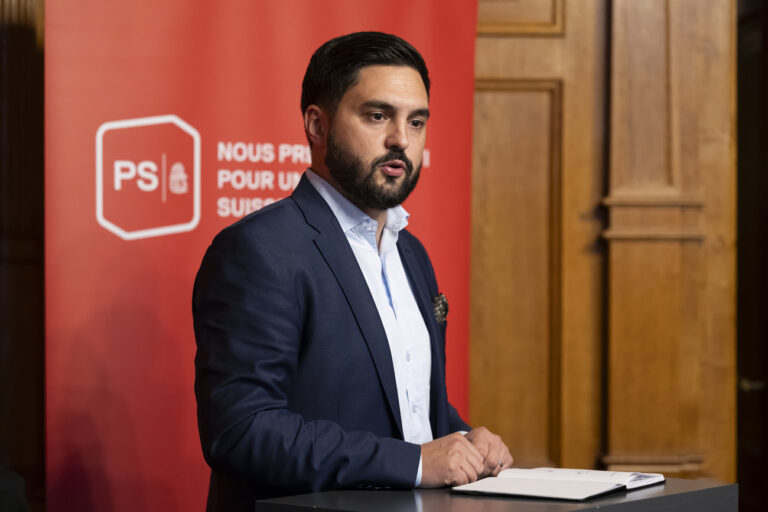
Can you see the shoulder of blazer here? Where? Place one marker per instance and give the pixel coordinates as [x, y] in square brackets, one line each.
[304, 210]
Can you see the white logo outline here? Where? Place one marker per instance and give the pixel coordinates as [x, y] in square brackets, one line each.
[161, 230]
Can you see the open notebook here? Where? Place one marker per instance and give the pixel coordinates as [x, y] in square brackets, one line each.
[557, 483]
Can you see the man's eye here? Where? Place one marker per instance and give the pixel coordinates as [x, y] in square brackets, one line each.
[417, 123]
[376, 116]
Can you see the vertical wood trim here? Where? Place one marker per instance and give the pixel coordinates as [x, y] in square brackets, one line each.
[555, 270]
[719, 367]
[673, 116]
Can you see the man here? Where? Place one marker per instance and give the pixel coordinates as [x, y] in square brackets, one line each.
[320, 360]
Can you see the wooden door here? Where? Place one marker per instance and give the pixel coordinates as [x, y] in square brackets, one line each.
[602, 322]
[537, 256]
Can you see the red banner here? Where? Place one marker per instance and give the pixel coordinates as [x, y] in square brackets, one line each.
[165, 122]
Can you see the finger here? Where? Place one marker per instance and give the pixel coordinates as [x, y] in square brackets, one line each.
[474, 457]
[496, 462]
[476, 461]
[495, 454]
[471, 457]
[500, 461]
[471, 447]
[482, 445]
[469, 471]
[501, 465]
[479, 441]
[507, 458]
[460, 475]
[488, 466]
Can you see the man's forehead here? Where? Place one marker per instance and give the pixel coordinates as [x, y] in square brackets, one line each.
[388, 83]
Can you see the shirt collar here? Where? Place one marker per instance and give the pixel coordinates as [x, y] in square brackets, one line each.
[349, 215]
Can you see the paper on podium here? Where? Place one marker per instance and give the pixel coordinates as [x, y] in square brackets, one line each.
[564, 484]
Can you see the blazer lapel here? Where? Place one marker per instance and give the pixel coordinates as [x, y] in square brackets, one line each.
[335, 249]
[438, 395]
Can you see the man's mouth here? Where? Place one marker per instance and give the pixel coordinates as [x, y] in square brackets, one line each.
[393, 168]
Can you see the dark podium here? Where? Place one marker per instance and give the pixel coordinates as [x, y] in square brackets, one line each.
[673, 495]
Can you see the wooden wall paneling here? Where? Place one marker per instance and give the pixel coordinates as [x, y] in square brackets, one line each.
[536, 256]
[671, 238]
[521, 17]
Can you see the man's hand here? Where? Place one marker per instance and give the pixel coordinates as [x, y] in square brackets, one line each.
[495, 453]
[450, 460]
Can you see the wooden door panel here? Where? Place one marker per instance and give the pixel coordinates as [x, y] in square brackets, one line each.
[671, 277]
[520, 16]
[515, 261]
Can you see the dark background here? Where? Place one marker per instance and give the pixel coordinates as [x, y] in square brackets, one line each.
[752, 328]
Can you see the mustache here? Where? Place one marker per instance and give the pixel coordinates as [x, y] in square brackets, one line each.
[394, 154]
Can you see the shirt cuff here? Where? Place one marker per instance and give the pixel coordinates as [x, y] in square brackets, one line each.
[418, 474]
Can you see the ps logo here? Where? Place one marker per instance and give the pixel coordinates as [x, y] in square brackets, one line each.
[147, 177]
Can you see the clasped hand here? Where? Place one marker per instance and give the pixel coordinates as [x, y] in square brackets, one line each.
[458, 459]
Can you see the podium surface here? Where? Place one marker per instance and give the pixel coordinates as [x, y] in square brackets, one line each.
[675, 494]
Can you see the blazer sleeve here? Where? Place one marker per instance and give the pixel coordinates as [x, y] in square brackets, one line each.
[455, 421]
[249, 311]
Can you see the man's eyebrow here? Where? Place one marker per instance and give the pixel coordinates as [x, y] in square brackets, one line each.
[388, 107]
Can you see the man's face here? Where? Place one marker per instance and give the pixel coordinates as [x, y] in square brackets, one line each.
[376, 139]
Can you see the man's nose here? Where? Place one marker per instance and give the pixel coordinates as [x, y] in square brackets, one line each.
[397, 136]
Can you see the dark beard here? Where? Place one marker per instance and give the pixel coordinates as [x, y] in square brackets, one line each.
[360, 186]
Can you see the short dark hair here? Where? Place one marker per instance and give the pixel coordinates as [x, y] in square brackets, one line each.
[334, 67]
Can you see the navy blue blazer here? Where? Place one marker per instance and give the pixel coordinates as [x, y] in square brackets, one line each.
[294, 379]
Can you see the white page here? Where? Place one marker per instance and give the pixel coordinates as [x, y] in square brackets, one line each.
[642, 479]
[544, 488]
[588, 475]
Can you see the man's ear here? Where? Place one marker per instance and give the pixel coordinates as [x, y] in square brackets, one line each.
[316, 125]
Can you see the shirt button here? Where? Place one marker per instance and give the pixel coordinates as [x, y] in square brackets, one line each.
[413, 409]
[407, 356]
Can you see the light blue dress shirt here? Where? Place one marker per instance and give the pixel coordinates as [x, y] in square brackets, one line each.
[388, 283]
